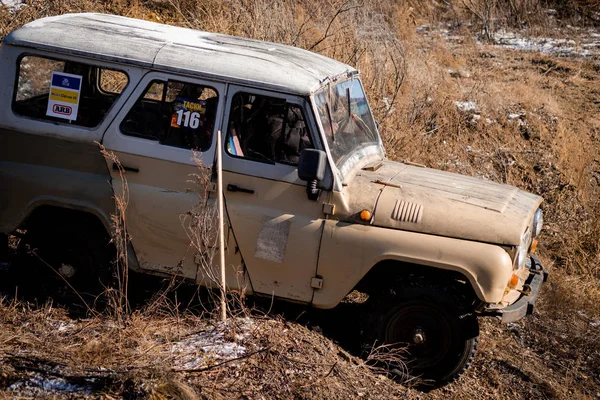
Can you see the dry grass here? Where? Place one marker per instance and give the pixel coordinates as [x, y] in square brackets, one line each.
[535, 126]
[173, 355]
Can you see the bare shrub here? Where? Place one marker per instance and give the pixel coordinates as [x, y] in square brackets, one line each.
[119, 299]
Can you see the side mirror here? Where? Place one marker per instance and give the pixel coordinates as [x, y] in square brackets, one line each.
[311, 168]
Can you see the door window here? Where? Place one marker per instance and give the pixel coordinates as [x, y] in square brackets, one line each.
[175, 113]
[266, 129]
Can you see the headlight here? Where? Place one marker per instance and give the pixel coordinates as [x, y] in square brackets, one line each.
[538, 222]
[523, 249]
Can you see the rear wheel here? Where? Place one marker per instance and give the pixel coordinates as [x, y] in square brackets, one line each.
[66, 261]
[435, 325]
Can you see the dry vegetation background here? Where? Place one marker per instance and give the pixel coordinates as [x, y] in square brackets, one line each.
[528, 119]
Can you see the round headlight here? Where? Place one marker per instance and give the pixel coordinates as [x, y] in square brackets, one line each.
[538, 222]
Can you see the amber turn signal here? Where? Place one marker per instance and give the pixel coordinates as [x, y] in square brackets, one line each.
[365, 215]
[514, 281]
[533, 245]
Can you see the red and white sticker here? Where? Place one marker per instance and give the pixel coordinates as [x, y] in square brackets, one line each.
[62, 109]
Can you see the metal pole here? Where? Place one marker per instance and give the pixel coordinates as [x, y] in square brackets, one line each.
[221, 227]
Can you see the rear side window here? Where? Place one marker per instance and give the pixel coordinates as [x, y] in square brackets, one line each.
[175, 113]
[66, 91]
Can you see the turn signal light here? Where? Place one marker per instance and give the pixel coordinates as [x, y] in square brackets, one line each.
[365, 215]
[514, 281]
[533, 245]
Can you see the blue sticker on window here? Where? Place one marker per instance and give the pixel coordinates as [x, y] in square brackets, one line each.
[66, 81]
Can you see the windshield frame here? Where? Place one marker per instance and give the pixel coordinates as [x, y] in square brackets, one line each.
[358, 153]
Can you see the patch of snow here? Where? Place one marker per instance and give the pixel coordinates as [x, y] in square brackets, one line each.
[423, 28]
[218, 342]
[559, 47]
[466, 106]
[13, 5]
[46, 385]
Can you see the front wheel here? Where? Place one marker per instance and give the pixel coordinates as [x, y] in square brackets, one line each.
[435, 326]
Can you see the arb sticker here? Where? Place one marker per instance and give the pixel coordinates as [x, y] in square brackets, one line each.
[62, 109]
[64, 96]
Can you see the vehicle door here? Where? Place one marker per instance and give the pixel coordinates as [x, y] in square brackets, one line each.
[160, 137]
[277, 228]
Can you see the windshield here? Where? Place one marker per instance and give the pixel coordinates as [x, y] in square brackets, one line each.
[347, 121]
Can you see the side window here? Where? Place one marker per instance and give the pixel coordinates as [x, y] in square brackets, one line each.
[66, 91]
[174, 113]
[265, 128]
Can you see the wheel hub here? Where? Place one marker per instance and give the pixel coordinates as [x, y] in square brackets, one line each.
[66, 270]
[418, 336]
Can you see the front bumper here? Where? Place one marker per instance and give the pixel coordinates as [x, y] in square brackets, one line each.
[525, 304]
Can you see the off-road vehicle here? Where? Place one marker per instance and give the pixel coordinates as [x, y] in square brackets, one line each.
[313, 207]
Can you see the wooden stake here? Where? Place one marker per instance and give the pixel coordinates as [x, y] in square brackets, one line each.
[221, 227]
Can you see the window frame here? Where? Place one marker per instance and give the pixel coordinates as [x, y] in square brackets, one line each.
[114, 138]
[162, 103]
[265, 161]
[276, 171]
[106, 118]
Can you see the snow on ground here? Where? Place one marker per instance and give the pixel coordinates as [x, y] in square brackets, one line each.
[558, 47]
[216, 343]
[580, 42]
[12, 4]
[38, 386]
[466, 106]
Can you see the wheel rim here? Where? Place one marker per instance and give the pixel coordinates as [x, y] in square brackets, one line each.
[425, 332]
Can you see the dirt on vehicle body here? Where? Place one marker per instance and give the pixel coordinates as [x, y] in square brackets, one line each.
[314, 208]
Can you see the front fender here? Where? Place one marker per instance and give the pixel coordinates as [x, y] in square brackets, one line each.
[349, 251]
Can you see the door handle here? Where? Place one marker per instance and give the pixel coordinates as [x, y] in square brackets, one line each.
[125, 168]
[235, 188]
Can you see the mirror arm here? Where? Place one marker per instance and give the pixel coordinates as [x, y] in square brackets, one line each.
[312, 191]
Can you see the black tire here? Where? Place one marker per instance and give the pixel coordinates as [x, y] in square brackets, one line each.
[48, 252]
[436, 325]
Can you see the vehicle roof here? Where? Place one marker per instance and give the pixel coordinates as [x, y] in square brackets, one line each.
[175, 49]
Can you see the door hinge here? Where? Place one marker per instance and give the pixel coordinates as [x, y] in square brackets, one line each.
[328, 209]
[316, 282]
[212, 187]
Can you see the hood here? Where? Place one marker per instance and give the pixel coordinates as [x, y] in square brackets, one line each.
[440, 203]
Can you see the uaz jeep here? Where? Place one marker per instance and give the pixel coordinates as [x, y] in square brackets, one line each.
[313, 207]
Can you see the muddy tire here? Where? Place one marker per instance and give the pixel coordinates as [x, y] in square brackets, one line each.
[60, 260]
[436, 326]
